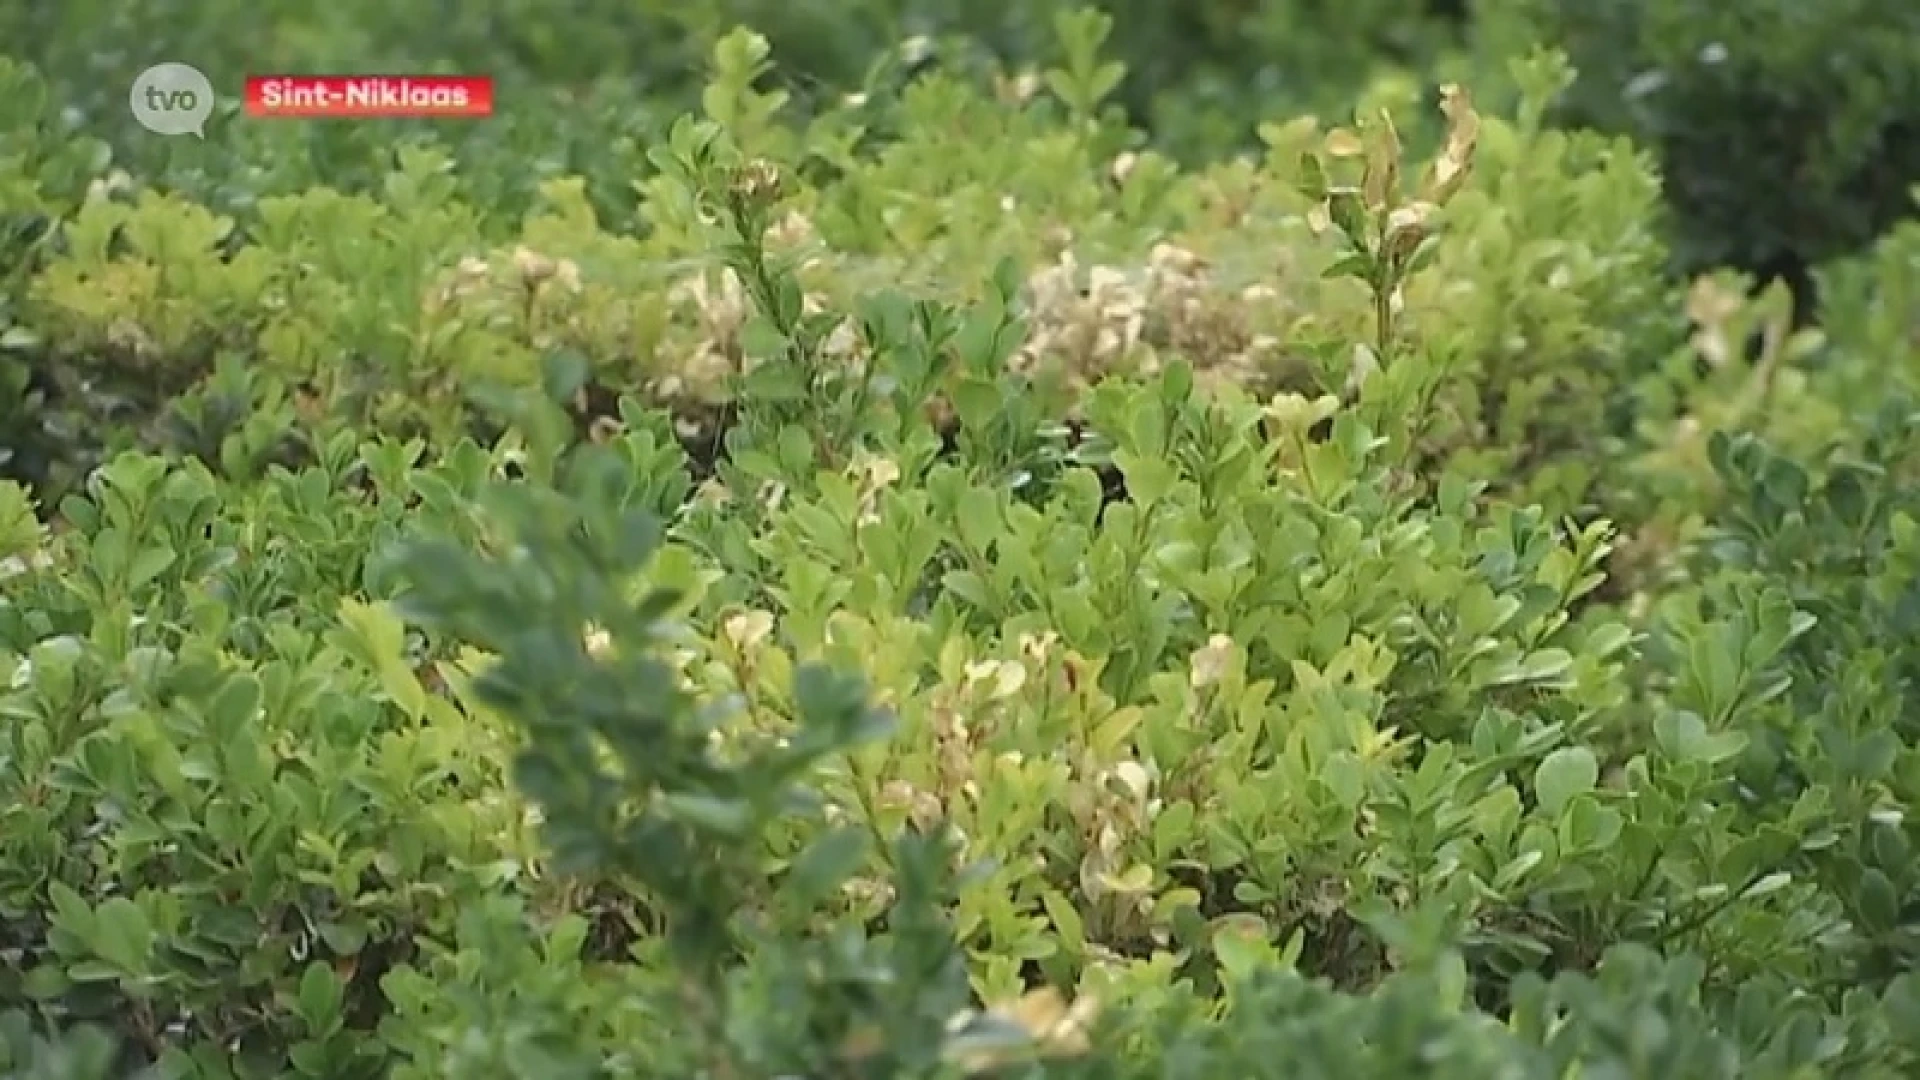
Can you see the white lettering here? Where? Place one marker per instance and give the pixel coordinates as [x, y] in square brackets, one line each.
[404, 94]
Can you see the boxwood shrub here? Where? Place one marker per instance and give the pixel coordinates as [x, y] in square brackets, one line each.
[956, 593]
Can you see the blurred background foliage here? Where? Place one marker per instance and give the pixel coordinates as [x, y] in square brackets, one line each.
[1785, 130]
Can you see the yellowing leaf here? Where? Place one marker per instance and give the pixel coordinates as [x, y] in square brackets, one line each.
[1135, 879]
[1344, 143]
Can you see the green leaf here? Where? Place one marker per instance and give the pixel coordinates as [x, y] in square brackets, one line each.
[976, 401]
[122, 936]
[977, 518]
[1176, 384]
[1563, 774]
[1588, 826]
[1772, 883]
[319, 998]
[825, 865]
[970, 587]
[149, 564]
[729, 817]
[1148, 479]
[1356, 265]
[344, 938]
[71, 912]
[1510, 874]
[1105, 78]
[1062, 85]
[1878, 902]
[45, 982]
[1066, 920]
[775, 382]
[234, 707]
[1345, 777]
[1546, 665]
[93, 971]
[562, 374]
[377, 636]
[1349, 214]
[1243, 946]
[1312, 181]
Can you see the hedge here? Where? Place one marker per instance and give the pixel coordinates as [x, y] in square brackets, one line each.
[1820, 100]
[972, 597]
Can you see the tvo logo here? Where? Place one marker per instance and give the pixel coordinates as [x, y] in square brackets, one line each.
[172, 99]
